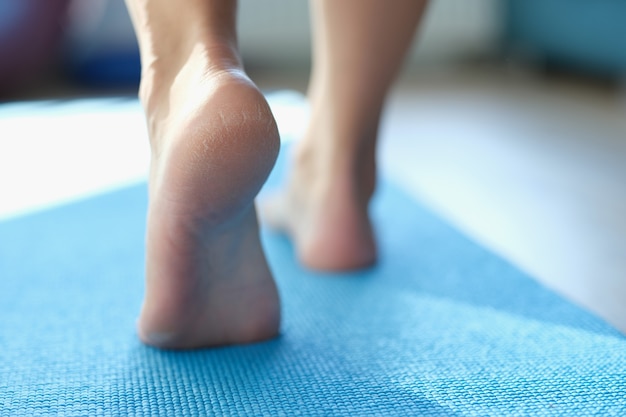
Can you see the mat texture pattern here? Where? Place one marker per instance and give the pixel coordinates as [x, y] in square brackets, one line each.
[439, 327]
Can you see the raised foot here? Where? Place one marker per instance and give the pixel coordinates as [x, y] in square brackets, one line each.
[325, 212]
[214, 141]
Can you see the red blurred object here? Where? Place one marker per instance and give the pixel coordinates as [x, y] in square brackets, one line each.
[30, 33]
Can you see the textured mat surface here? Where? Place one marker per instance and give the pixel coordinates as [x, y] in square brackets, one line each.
[439, 327]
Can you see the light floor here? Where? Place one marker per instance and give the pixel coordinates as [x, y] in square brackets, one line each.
[532, 167]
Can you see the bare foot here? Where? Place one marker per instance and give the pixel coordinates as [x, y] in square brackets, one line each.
[324, 208]
[213, 141]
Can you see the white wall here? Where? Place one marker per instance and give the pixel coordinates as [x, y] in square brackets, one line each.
[276, 32]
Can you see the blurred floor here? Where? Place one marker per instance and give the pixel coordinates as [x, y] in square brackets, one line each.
[530, 166]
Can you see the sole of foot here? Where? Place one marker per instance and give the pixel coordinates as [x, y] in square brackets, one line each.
[214, 142]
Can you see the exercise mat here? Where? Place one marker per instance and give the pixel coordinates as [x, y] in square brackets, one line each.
[440, 326]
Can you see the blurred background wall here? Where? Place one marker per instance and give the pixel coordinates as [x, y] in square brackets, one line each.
[91, 43]
[276, 32]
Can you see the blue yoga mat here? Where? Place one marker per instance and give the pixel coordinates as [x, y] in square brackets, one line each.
[440, 327]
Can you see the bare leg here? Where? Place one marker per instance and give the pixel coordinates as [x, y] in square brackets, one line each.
[359, 46]
[213, 141]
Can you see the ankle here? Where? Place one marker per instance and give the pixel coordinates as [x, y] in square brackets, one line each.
[208, 58]
[198, 34]
[167, 29]
[328, 164]
[170, 85]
